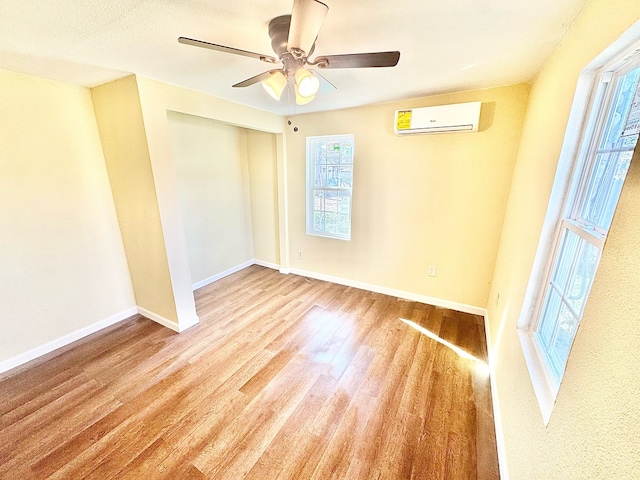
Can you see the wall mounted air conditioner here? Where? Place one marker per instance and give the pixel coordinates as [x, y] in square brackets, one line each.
[457, 117]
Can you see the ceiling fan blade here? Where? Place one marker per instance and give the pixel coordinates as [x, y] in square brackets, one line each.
[325, 85]
[222, 48]
[256, 79]
[358, 60]
[306, 20]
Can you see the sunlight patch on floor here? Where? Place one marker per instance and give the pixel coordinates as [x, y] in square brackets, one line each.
[481, 366]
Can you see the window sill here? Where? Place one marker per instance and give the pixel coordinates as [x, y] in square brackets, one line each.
[545, 392]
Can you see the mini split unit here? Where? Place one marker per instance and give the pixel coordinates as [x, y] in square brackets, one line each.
[459, 117]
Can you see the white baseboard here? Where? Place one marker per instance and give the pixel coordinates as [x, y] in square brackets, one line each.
[497, 415]
[165, 322]
[438, 302]
[65, 340]
[266, 264]
[237, 268]
[218, 276]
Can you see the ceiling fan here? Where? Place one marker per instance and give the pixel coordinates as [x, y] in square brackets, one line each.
[293, 40]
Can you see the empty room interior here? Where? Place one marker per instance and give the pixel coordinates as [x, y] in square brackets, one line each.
[206, 279]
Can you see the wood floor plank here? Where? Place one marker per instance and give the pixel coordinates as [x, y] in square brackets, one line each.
[246, 437]
[278, 459]
[349, 444]
[386, 413]
[285, 377]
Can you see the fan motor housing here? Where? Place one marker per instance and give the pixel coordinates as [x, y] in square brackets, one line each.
[279, 34]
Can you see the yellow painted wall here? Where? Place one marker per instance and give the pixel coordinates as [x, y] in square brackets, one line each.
[211, 164]
[418, 200]
[593, 431]
[157, 99]
[263, 180]
[119, 116]
[89, 197]
[62, 261]
[597, 416]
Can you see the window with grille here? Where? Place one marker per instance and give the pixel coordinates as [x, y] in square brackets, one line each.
[329, 185]
[603, 158]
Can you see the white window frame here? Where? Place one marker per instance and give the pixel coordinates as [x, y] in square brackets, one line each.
[590, 98]
[339, 192]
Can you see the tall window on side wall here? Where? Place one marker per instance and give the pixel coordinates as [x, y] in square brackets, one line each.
[329, 185]
[605, 153]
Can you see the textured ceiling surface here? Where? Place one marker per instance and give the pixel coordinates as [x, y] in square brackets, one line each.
[445, 45]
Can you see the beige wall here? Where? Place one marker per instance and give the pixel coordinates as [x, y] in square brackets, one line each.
[65, 154]
[593, 431]
[124, 143]
[156, 100]
[63, 266]
[263, 179]
[213, 187]
[418, 200]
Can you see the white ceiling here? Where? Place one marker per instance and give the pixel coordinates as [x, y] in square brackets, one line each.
[445, 45]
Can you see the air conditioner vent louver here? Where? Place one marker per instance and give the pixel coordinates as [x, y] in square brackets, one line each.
[458, 117]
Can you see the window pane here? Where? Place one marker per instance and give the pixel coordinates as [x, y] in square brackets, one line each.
[346, 156]
[548, 320]
[621, 103]
[346, 175]
[320, 153]
[318, 221]
[582, 276]
[333, 176]
[609, 168]
[605, 185]
[562, 341]
[320, 176]
[565, 258]
[344, 203]
[331, 222]
[629, 142]
[330, 177]
[566, 296]
[333, 152]
[343, 224]
[318, 200]
[331, 201]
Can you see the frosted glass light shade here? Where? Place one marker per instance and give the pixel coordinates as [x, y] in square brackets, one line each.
[274, 85]
[307, 83]
[300, 100]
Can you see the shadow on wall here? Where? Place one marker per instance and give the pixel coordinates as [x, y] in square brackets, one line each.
[487, 113]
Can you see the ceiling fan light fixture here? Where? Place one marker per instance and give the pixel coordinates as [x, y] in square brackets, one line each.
[307, 84]
[275, 84]
[293, 40]
[300, 100]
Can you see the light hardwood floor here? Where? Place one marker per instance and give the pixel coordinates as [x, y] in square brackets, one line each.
[285, 377]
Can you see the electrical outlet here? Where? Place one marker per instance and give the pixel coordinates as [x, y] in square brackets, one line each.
[300, 254]
[431, 271]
